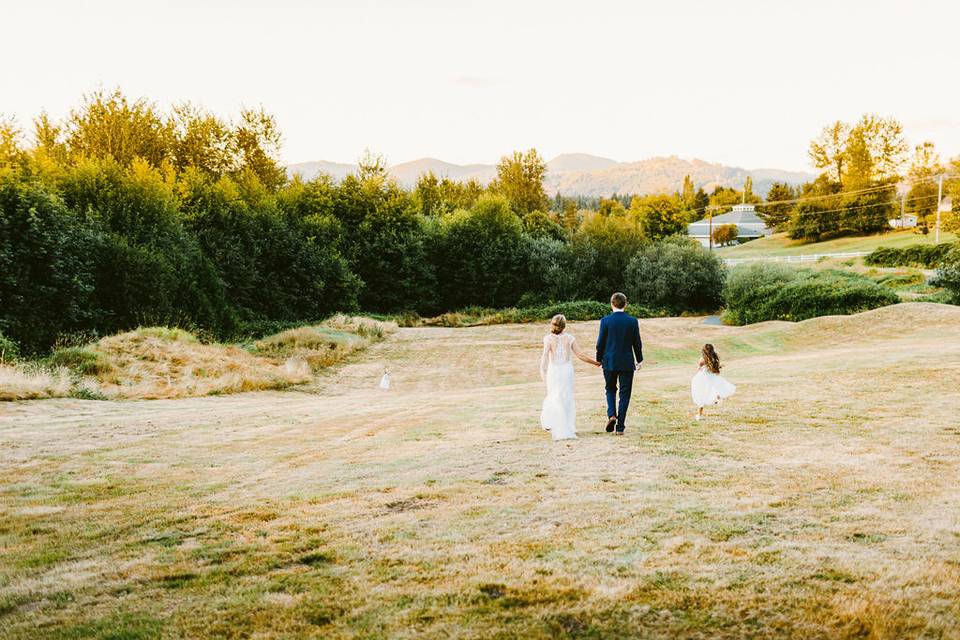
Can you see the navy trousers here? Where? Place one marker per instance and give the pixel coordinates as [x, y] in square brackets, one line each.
[623, 379]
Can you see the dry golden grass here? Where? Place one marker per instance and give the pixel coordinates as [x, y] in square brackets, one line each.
[155, 363]
[321, 346]
[29, 383]
[820, 502]
[160, 362]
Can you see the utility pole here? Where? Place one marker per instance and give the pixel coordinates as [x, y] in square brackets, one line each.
[903, 202]
[939, 198]
[709, 213]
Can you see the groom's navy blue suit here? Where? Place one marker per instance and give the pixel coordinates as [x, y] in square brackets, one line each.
[617, 344]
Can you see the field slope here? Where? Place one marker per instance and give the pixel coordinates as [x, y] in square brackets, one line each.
[779, 244]
[820, 502]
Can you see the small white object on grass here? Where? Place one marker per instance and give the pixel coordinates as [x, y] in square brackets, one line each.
[385, 380]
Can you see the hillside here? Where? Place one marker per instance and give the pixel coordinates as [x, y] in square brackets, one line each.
[584, 174]
[820, 501]
[407, 173]
[780, 244]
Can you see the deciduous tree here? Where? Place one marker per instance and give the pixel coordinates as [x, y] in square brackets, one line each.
[520, 179]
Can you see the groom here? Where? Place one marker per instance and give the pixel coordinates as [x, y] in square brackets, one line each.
[617, 344]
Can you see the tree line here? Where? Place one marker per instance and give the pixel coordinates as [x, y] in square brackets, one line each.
[124, 215]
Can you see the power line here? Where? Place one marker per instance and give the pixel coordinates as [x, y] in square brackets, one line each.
[866, 190]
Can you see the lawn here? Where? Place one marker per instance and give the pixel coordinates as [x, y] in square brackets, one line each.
[821, 501]
[779, 244]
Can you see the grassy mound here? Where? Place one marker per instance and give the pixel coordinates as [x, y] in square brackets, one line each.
[159, 362]
[171, 363]
[326, 344]
[874, 326]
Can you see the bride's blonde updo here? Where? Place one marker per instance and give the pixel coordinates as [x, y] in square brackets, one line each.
[558, 323]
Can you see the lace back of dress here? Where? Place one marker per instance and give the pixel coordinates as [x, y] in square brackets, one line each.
[560, 347]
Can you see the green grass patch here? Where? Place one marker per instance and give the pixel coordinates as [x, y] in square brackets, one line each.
[81, 360]
[780, 244]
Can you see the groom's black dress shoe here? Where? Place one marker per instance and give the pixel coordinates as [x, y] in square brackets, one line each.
[611, 423]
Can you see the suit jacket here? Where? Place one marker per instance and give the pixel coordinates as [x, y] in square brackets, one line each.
[619, 342]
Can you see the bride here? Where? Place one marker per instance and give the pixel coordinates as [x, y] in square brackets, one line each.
[559, 413]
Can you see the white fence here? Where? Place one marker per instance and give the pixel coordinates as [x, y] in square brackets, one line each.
[806, 257]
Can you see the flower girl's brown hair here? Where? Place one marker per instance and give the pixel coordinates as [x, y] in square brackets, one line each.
[558, 323]
[710, 358]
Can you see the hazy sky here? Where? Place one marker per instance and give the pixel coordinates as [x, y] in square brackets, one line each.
[746, 83]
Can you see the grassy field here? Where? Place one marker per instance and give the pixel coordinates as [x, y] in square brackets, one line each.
[779, 244]
[820, 502]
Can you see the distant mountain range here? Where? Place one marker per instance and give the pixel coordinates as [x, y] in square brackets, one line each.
[583, 174]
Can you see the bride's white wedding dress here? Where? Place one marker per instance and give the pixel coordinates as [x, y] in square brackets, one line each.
[559, 412]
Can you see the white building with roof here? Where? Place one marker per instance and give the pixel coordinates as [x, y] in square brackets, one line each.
[744, 216]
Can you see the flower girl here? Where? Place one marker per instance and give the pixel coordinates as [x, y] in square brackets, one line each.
[707, 387]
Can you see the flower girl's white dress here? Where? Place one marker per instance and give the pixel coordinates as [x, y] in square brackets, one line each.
[709, 388]
[559, 412]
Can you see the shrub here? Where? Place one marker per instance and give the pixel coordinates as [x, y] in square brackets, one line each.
[9, 351]
[555, 271]
[760, 292]
[749, 286]
[676, 274]
[919, 255]
[948, 276]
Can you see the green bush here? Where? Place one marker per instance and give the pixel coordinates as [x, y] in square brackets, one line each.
[556, 271]
[760, 292]
[948, 276]
[676, 274]
[927, 256]
[749, 286]
[9, 350]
